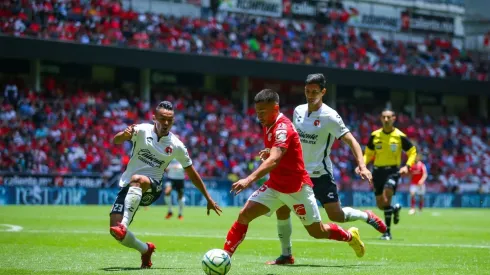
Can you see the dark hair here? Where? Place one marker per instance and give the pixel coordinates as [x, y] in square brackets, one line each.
[165, 105]
[316, 79]
[267, 95]
[388, 110]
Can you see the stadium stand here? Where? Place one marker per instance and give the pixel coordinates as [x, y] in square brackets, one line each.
[331, 43]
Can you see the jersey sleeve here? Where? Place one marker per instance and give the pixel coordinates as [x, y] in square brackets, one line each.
[282, 136]
[338, 127]
[409, 149]
[183, 157]
[137, 131]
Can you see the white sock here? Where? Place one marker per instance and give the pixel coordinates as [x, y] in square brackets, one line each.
[131, 202]
[284, 230]
[132, 242]
[351, 214]
[168, 202]
[181, 206]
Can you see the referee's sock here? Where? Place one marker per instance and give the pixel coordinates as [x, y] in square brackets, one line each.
[388, 213]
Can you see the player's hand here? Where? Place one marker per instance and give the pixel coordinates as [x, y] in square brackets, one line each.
[239, 186]
[128, 132]
[403, 170]
[212, 205]
[365, 174]
[264, 154]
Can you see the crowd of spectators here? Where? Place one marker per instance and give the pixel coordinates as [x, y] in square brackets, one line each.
[61, 132]
[330, 43]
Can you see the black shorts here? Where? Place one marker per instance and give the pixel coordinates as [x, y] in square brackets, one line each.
[385, 177]
[149, 197]
[325, 189]
[177, 185]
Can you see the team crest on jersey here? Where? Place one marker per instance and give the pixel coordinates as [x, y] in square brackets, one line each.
[281, 135]
[393, 147]
[168, 150]
[317, 123]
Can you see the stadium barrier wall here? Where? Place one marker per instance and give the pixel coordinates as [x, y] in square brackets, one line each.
[21, 48]
[37, 195]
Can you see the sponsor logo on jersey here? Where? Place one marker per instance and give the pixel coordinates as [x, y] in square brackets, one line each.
[307, 138]
[281, 135]
[149, 158]
[299, 209]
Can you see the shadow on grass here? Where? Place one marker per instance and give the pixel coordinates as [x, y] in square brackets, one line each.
[137, 268]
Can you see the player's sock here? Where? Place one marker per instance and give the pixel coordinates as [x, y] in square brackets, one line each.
[181, 206]
[284, 230]
[421, 203]
[131, 202]
[338, 233]
[132, 242]
[412, 202]
[168, 202]
[351, 214]
[388, 212]
[235, 236]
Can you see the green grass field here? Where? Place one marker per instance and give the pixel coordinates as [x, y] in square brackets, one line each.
[76, 240]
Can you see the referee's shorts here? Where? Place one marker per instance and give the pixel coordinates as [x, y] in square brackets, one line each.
[385, 177]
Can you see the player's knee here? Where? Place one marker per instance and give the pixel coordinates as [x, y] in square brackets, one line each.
[139, 181]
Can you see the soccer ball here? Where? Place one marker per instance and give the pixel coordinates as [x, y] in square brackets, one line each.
[216, 261]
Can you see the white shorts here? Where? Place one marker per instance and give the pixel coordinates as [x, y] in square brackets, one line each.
[302, 203]
[418, 189]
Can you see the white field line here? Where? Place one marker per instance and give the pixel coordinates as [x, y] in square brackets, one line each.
[159, 234]
[11, 228]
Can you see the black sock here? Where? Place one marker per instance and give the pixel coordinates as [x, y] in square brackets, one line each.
[388, 212]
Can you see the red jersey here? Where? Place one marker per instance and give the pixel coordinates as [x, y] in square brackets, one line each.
[417, 171]
[290, 174]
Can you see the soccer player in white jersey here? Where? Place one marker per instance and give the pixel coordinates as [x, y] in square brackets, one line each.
[176, 176]
[154, 147]
[318, 125]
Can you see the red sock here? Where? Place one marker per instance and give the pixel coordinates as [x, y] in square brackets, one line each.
[338, 233]
[412, 203]
[421, 203]
[235, 236]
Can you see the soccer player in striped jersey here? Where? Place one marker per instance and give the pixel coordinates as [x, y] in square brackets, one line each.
[154, 147]
[318, 126]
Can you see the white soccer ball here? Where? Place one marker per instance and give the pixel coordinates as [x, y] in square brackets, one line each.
[216, 262]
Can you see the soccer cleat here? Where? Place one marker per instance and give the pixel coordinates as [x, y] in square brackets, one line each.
[411, 211]
[181, 217]
[386, 236]
[118, 231]
[396, 213]
[282, 260]
[376, 222]
[146, 257]
[356, 242]
[169, 215]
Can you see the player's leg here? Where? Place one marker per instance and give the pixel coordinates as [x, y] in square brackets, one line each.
[413, 190]
[304, 205]
[379, 179]
[263, 201]
[421, 196]
[179, 187]
[325, 191]
[168, 199]
[284, 231]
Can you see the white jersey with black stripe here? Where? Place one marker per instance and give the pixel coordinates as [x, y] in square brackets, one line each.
[151, 156]
[317, 131]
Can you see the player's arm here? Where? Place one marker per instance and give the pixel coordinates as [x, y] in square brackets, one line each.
[125, 135]
[369, 151]
[410, 150]
[361, 170]
[268, 165]
[424, 175]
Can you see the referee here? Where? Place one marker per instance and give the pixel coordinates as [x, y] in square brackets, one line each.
[385, 145]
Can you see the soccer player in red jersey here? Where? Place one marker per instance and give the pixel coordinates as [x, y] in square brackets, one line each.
[417, 184]
[288, 184]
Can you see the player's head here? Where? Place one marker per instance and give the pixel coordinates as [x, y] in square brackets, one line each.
[388, 117]
[315, 88]
[163, 118]
[267, 106]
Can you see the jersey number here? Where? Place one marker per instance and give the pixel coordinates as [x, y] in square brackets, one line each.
[118, 207]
